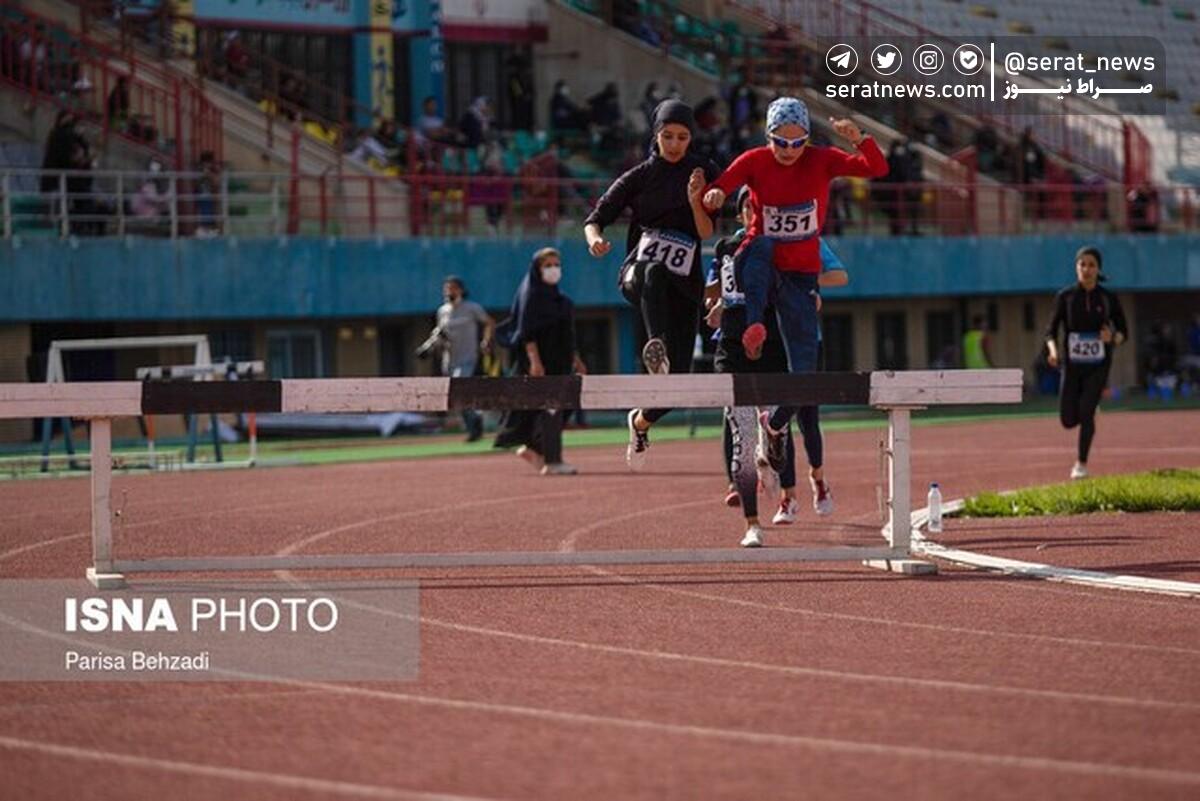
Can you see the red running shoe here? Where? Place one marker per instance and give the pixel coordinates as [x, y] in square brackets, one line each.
[753, 339]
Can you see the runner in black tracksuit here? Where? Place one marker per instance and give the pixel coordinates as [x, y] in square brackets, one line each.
[662, 275]
[1094, 324]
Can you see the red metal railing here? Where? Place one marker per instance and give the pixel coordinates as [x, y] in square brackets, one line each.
[156, 110]
[100, 203]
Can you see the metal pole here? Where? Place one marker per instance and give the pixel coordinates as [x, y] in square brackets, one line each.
[899, 479]
[101, 571]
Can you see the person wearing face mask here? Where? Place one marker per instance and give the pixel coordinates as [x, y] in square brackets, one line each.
[661, 275]
[780, 259]
[463, 330]
[1094, 323]
[540, 333]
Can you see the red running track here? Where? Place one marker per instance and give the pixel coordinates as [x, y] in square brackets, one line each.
[819, 681]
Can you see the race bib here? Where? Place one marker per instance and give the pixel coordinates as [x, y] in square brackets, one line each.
[790, 223]
[675, 250]
[730, 294]
[1084, 348]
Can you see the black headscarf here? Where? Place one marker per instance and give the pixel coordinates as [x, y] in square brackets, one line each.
[536, 306]
[675, 112]
[669, 112]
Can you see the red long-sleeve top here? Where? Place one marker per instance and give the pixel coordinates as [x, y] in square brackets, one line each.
[790, 202]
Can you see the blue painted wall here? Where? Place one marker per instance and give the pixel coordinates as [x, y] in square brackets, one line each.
[139, 279]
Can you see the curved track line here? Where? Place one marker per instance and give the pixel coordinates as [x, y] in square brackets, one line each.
[1069, 575]
[571, 540]
[200, 770]
[737, 664]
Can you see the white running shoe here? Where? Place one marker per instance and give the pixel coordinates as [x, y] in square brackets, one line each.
[788, 510]
[639, 443]
[753, 538]
[1079, 471]
[654, 356]
[559, 469]
[822, 497]
[531, 456]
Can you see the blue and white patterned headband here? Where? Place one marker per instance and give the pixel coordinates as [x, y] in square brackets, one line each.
[787, 111]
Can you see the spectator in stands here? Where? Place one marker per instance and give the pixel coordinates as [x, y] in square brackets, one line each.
[475, 123]
[606, 117]
[540, 333]
[605, 107]
[381, 146]
[650, 100]
[1030, 163]
[1143, 209]
[237, 60]
[520, 91]
[431, 127]
[495, 194]
[32, 55]
[432, 135]
[839, 208]
[141, 127]
[291, 97]
[151, 203]
[565, 113]
[61, 144]
[208, 190]
[743, 114]
[709, 143]
[389, 137]
[900, 199]
[939, 130]
[1030, 166]
[118, 103]
[987, 150]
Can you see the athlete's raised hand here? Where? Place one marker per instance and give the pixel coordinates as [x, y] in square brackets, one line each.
[714, 199]
[847, 130]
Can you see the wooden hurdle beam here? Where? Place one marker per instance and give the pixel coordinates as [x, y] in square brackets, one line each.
[897, 393]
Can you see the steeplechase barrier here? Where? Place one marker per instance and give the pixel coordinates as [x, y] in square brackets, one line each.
[896, 393]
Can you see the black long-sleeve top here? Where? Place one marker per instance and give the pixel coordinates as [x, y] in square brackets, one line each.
[655, 191]
[1077, 310]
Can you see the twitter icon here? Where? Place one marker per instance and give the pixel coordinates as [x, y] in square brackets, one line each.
[886, 59]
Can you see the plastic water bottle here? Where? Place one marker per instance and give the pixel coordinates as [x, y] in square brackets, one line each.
[935, 509]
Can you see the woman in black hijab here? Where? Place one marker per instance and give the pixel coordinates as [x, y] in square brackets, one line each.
[661, 276]
[540, 332]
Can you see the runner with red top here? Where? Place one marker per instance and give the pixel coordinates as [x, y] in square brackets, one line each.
[779, 261]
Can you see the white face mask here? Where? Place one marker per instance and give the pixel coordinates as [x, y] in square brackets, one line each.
[551, 275]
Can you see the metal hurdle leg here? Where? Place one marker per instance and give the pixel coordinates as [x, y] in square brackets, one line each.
[898, 530]
[101, 574]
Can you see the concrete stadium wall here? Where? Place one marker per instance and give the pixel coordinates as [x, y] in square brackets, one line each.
[45, 279]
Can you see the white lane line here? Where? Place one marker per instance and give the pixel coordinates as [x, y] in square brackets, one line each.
[1070, 575]
[827, 744]
[173, 700]
[572, 538]
[738, 664]
[200, 770]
